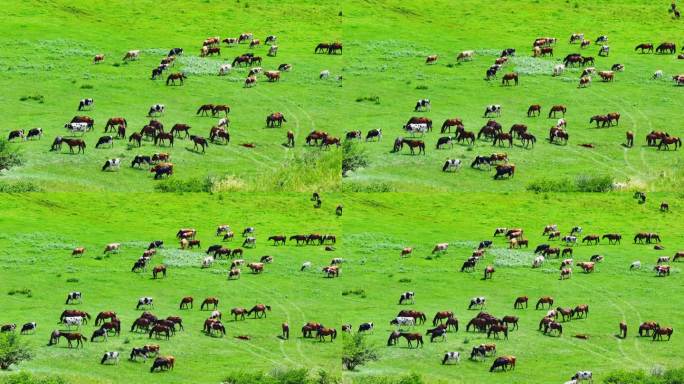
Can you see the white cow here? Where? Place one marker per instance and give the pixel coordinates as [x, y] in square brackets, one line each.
[451, 164]
[604, 51]
[207, 262]
[324, 74]
[414, 128]
[72, 321]
[110, 357]
[465, 55]
[145, 302]
[538, 262]
[76, 127]
[658, 74]
[132, 55]
[477, 302]
[451, 356]
[440, 247]
[402, 321]
[492, 109]
[558, 69]
[250, 242]
[112, 164]
[73, 296]
[156, 109]
[305, 265]
[635, 265]
[225, 69]
[583, 375]
[112, 247]
[273, 50]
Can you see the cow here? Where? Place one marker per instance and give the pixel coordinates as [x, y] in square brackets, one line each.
[85, 103]
[110, 357]
[492, 109]
[477, 302]
[403, 321]
[145, 302]
[112, 164]
[73, 296]
[156, 109]
[440, 247]
[451, 356]
[451, 164]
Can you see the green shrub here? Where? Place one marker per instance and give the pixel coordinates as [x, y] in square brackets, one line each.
[12, 350]
[373, 99]
[9, 157]
[28, 378]
[24, 291]
[19, 187]
[578, 184]
[355, 157]
[196, 184]
[38, 98]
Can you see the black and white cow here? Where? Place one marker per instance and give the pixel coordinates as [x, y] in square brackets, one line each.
[451, 356]
[73, 296]
[19, 133]
[156, 109]
[407, 296]
[156, 244]
[601, 39]
[576, 230]
[249, 242]
[247, 231]
[366, 327]
[73, 321]
[402, 321]
[145, 302]
[175, 52]
[570, 240]
[451, 164]
[35, 132]
[270, 39]
[140, 160]
[112, 357]
[374, 133]
[422, 105]
[508, 52]
[77, 127]
[492, 109]
[112, 164]
[28, 327]
[485, 244]
[604, 51]
[582, 375]
[85, 103]
[138, 352]
[477, 302]
[105, 140]
[414, 128]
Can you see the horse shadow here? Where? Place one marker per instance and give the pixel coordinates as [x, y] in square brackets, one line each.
[193, 150]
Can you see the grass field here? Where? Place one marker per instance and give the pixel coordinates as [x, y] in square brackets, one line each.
[39, 231]
[52, 61]
[613, 293]
[388, 62]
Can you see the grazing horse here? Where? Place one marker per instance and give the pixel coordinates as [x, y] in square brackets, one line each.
[488, 272]
[210, 301]
[72, 336]
[666, 47]
[171, 79]
[520, 301]
[199, 141]
[259, 311]
[448, 123]
[163, 363]
[659, 332]
[275, 119]
[666, 141]
[411, 337]
[505, 80]
[504, 170]
[412, 144]
[431, 59]
[534, 109]
[557, 108]
[503, 362]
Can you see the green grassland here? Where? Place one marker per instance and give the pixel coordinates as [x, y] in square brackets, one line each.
[48, 50]
[38, 232]
[389, 41]
[613, 292]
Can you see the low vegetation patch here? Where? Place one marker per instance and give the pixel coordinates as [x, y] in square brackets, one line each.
[578, 184]
[23, 291]
[9, 157]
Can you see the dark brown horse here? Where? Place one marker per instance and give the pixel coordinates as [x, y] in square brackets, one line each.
[520, 301]
[506, 79]
[178, 128]
[666, 141]
[199, 141]
[73, 336]
[157, 270]
[161, 137]
[217, 109]
[644, 47]
[448, 123]
[411, 337]
[78, 143]
[204, 109]
[275, 119]
[503, 362]
[171, 79]
[214, 301]
[544, 300]
[412, 144]
[259, 310]
[557, 108]
[186, 301]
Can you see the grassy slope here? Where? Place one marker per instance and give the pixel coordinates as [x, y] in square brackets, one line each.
[49, 48]
[38, 232]
[613, 293]
[390, 40]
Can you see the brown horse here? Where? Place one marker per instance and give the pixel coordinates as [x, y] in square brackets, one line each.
[581, 311]
[623, 330]
[488, 272]
[78, 143]
[431, 59]
[646, 327]
[504, 170]
[503, 362]
[322, 332]
[186, 301]
[586, 266]
[204, 110]
[259, 310]
[441, 316]
[644, 46]
[105, 315]
[448, 123]
[171, 79]
[286, 331]
[290, 139]
[666, 141]
[178, 128]
[496, 329]
[272, 75]
[520, 301]
[73, 336]
[666, 47]
[115, 121]
[659, 332]
[630, 139]
[412, 144]
[163, 363]
[275, 119]
[199, 141]
[502, 137]
[216, 109]
[544, 300]
[411, 337]
[557, 108]
[157, 270]
[506, 79]
[210, 301]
